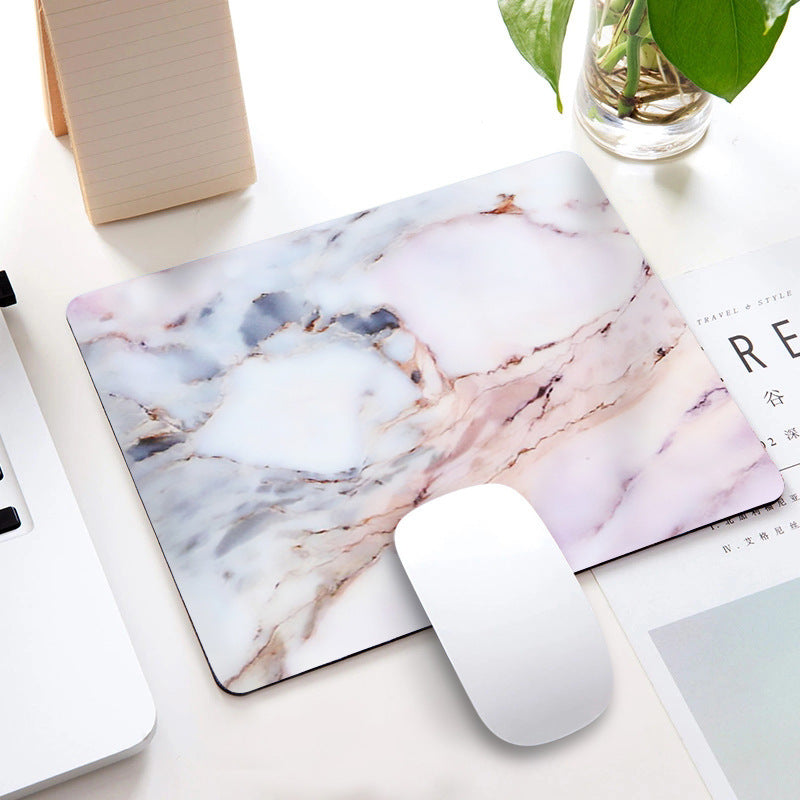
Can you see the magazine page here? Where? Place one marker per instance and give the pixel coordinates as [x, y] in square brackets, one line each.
[714, 615]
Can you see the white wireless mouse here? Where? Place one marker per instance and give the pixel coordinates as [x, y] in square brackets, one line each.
[508, 611]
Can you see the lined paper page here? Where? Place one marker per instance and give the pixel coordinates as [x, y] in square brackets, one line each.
[153, 101]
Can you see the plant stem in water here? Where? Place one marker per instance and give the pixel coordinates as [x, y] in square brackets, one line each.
[611, 59]
[627, 100]
[626, 71]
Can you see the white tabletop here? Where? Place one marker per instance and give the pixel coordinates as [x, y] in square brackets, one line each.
[352, 104]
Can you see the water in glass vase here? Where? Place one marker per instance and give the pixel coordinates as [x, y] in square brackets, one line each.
[630, 99]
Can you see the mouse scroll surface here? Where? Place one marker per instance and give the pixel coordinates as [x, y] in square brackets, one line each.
[508, 611]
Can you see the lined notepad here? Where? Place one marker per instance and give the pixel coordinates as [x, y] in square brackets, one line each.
[150, 93]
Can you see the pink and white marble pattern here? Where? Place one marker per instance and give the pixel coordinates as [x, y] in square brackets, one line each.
[281, 406]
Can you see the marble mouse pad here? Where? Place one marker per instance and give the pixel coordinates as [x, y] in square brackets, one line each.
[281, 406]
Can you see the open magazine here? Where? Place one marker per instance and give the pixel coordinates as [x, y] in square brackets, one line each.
[714, 617]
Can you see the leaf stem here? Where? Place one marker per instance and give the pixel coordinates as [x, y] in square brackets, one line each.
[618, 29]
[636, 16]
[610, 59]
[627, 100]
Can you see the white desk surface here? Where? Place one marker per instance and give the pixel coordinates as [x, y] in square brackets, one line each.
[352, 104]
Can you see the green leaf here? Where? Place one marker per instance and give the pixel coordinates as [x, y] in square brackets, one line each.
[537, 28]
[719, 45]
[774, 9]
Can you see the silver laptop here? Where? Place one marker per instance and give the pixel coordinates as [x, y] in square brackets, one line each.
[72, 693]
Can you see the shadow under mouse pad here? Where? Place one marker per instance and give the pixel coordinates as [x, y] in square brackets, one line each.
[281, 406]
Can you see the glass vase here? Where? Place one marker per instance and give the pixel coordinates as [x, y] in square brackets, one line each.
[630, 99]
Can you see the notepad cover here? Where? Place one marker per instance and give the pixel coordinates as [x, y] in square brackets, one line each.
[150, 93]
[283, 405]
